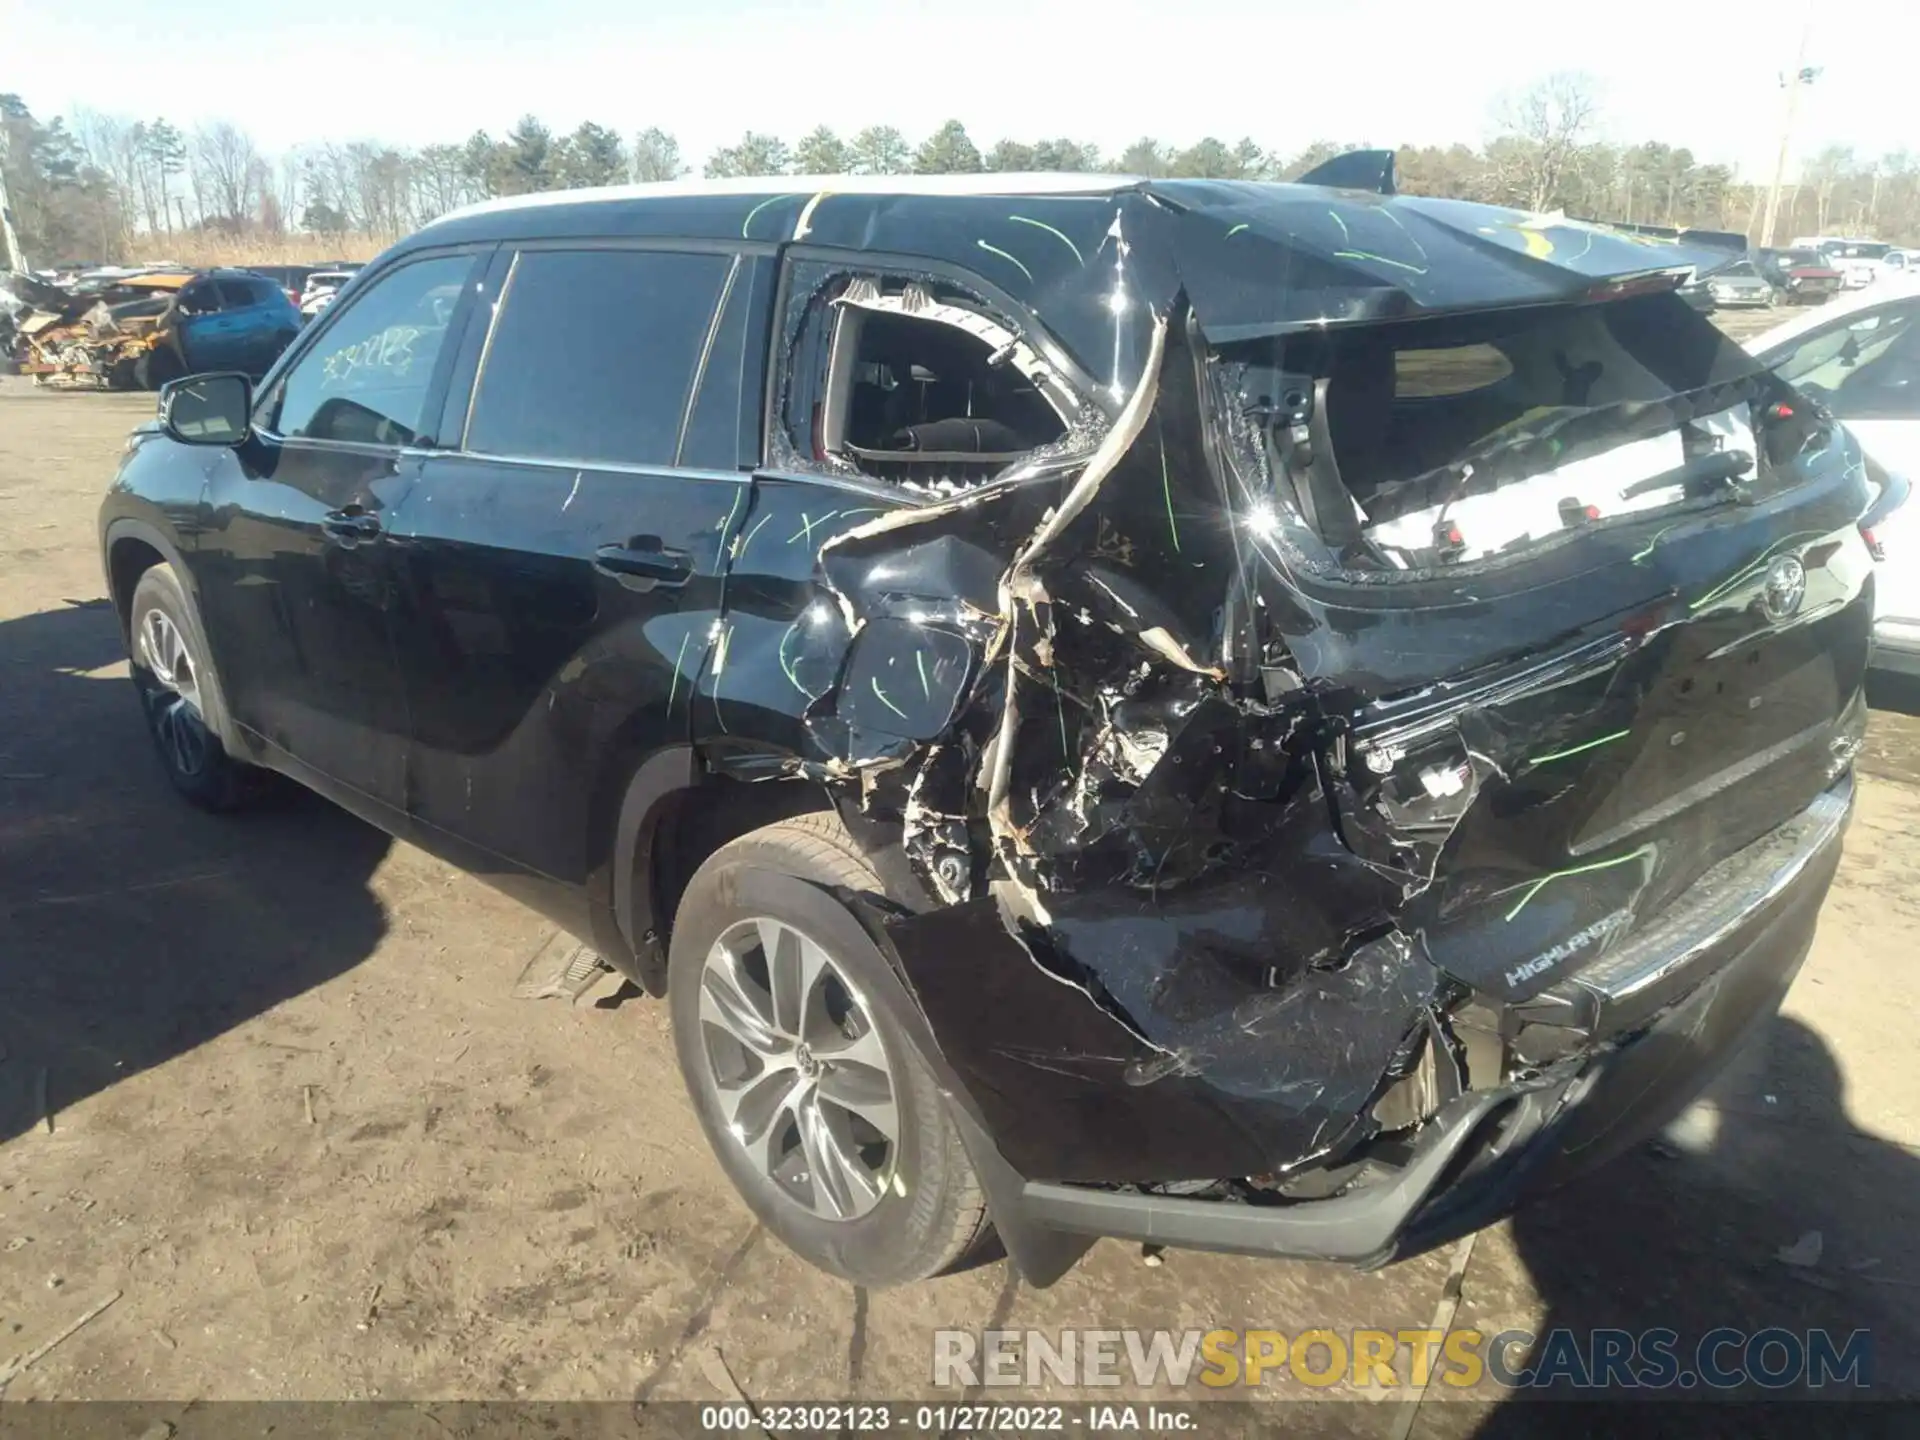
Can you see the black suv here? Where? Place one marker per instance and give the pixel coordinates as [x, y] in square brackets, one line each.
[1272, 718]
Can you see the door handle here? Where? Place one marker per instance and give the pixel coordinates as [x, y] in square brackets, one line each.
[644, 558]
[352, 523]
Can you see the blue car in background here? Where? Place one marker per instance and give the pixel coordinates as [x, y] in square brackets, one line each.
[225, 320]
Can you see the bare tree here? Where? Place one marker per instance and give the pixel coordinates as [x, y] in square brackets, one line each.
[273, 219]
[226, 170]
[1828, 172]
[378, 188]
[440, 181]
[113, 148]
[289, 182]
[1545, 128]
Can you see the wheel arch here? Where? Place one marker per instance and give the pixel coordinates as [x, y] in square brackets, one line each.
[134, 547]
[677, 809]
[674, 813]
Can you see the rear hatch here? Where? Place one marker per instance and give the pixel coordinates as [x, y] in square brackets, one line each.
[1580, 596]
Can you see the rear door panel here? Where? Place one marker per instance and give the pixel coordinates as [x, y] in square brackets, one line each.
[532, 669]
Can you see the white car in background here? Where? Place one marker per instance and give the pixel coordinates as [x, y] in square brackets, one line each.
[1859, 355]
[321, 287]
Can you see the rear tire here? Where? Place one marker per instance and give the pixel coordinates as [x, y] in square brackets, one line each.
[178, 689]
[796, 1080]
[156, 368]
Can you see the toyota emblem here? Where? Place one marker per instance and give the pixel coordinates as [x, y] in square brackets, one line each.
[1786, 587]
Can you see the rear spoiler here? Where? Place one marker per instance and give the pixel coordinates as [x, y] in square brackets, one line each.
[1355, 170]
[1717, 239]
[1734, 245]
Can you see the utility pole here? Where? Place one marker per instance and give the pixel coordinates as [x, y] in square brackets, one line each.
[1802, 75]
[9, 238]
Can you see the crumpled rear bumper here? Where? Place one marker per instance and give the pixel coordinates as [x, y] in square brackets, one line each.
[1675, 1003]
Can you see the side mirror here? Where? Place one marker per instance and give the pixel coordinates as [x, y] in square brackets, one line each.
[207, 409]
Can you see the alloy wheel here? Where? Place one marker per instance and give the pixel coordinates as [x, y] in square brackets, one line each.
[802, 1077]
[173, 697]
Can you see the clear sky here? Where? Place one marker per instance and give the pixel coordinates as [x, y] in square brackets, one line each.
[1286, 72]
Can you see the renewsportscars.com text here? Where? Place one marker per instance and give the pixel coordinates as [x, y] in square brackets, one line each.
[1600, 1359]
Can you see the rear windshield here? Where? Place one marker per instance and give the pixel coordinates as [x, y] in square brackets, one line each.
[1442, 442]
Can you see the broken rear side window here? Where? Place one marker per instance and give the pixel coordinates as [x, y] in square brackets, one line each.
[918, 384]
[1439, 442]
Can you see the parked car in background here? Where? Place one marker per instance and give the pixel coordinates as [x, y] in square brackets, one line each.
[1292, 735]
[322, 286]
[1860, 358]
[1801, 276]
[1741, 285]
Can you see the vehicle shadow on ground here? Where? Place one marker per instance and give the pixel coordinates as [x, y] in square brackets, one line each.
[133, 927]
[1709, 1229]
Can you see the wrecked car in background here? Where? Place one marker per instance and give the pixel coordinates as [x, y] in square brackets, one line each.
[137, 331]
[1801, 276]
[1274, 718]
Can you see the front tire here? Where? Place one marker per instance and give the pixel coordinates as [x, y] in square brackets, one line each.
[178, 690]
[816, 1104]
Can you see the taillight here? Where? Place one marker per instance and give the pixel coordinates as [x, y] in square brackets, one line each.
[1874, 547]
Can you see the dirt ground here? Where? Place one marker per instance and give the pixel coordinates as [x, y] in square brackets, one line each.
[300, 1125]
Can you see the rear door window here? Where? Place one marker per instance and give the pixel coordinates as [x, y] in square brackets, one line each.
[594, 355]
[367, 376]
[723, 429]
